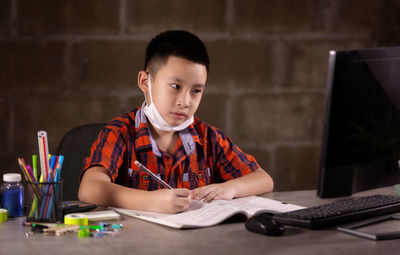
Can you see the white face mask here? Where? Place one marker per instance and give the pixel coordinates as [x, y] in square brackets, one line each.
[157, 120]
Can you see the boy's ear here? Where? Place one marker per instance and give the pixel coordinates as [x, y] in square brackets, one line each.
[143, 81]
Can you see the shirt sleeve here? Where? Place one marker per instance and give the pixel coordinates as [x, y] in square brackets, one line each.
[107, 151]
[231, 161]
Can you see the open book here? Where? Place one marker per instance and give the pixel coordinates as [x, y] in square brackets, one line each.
[208, 214]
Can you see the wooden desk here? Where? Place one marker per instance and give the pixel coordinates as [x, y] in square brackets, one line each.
[230, 238]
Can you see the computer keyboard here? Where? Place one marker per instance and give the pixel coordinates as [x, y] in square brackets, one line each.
[341, 212]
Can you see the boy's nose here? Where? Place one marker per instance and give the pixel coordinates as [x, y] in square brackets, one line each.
[184, 99]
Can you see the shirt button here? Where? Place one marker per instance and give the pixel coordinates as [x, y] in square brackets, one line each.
[199, 176]
[145, 177]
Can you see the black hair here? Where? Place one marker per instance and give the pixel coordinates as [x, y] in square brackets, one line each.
[176, 43]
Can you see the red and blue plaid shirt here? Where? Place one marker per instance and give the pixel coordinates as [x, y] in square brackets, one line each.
[203, 155]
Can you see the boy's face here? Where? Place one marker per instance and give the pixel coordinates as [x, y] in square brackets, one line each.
[177, 89]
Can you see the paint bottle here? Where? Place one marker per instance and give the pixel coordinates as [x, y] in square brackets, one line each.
[12, 195]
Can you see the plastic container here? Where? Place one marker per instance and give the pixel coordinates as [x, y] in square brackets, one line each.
[12, 195]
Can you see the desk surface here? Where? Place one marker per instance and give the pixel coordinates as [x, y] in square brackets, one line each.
[229, 238]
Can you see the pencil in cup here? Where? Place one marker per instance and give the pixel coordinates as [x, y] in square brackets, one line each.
[56, 193]
[34, 190]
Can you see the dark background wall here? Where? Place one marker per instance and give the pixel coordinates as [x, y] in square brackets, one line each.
[65, 63]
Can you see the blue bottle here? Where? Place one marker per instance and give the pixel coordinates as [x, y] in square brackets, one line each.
[12, 195]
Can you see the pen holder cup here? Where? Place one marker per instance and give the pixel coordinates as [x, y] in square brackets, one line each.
[44, 203]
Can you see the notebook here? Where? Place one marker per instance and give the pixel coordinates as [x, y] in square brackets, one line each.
[202, 214]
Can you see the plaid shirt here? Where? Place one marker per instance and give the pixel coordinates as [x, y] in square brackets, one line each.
[203, 155]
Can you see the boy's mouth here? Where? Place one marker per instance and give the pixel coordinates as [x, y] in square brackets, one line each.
[179, 115]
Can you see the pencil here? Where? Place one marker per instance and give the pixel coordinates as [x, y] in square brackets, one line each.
[158, 179]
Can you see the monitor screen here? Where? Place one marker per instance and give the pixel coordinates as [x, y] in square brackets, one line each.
[361, 139]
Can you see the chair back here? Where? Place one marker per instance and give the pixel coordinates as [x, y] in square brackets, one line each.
[75, 146]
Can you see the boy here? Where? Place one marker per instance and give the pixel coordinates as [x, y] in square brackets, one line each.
[197, 160]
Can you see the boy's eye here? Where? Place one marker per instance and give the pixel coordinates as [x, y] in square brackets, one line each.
[175, 86]
[197, 91]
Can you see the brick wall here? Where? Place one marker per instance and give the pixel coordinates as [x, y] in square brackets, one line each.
[65, 63]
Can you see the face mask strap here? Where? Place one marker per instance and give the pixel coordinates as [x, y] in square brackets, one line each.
[149, 86]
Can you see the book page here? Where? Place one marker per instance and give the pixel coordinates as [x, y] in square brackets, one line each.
[207, 214]
[199, 214]
[255, 204]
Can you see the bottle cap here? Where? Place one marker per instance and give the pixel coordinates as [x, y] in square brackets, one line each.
[11, 177]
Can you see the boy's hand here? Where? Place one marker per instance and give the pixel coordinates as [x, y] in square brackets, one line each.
[214, 192]
[170, 200]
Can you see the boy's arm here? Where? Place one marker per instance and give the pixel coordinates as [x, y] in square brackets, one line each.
[254, 183]
[96, 187]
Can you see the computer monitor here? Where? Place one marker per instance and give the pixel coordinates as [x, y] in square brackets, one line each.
[361, 138]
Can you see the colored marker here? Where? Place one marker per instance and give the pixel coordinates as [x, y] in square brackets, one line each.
[34, 165]
[53, 160]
